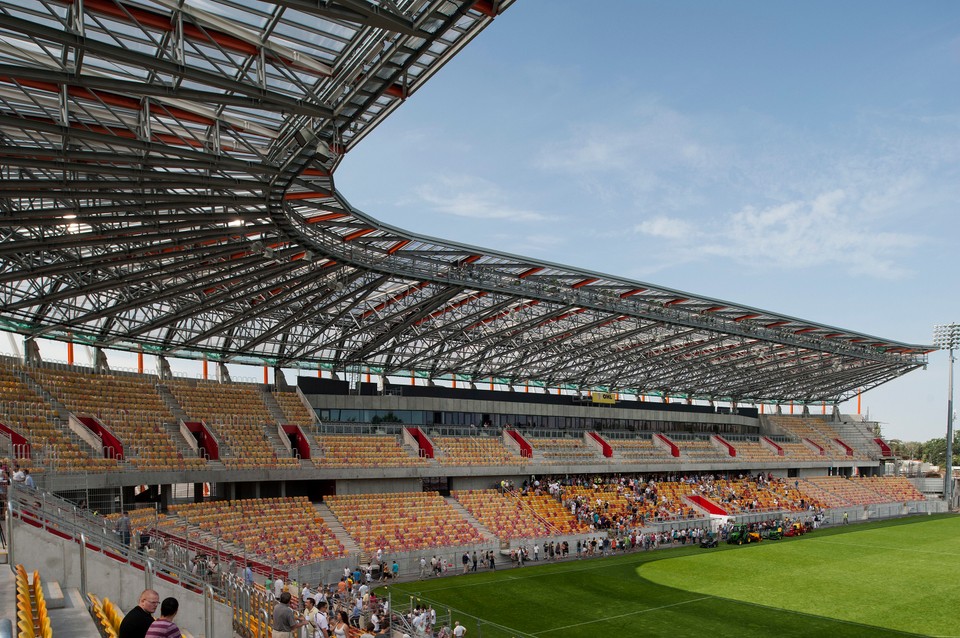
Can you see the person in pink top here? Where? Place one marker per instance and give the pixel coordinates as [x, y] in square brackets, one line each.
[164, 627]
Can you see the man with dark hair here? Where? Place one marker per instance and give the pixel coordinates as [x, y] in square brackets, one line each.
[323, 623]
[284, 620]
[138, 620]
[163, 627]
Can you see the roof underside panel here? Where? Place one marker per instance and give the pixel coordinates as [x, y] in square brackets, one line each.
[166, 183]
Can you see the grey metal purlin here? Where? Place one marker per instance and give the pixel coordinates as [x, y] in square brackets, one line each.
[947, 337]
[167, 186]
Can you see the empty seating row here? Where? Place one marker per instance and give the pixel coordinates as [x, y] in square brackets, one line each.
[250, 448]
[26, 412]
[502, 514]
[221, 403]
[107, 615]
[285, 530]
[643, 449]
[377, 450]
[846, 491]
[33, 621]
[820, 432]
[404, 521]
[478, 450]
[892, 488]
[130, 407]
[702, 450]
[294, 411]
[556, 450]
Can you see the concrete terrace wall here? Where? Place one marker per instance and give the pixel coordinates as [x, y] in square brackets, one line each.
[58, 559]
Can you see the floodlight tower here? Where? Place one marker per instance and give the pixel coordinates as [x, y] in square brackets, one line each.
[947, 337]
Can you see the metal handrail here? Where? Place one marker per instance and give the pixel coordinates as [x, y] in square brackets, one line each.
[50, 512]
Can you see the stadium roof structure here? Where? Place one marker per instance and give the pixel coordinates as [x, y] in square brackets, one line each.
[166, 185]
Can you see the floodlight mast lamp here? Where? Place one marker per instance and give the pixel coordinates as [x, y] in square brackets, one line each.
[947, 337]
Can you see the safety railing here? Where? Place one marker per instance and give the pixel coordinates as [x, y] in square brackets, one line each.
[64, 520]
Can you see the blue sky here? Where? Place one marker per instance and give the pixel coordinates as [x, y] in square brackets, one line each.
[803, 158]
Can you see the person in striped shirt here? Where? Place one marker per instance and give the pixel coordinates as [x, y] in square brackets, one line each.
[164, 627]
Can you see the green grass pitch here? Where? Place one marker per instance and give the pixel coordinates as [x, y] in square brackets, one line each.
[891, 578]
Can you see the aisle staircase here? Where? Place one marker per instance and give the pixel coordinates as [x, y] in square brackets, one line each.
[338, 530]
[462, 511]
[276, 412]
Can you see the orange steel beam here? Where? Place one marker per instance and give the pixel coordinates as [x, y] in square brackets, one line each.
[397, 246]
[307, 195]
[581, 284]
[468, 260]
[358, 234]
[326, 217]
[531, 271]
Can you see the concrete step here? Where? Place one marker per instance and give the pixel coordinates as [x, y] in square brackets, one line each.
[72, 620]
[483, 529]
[272, 406]
[53, 594]
[337, 528]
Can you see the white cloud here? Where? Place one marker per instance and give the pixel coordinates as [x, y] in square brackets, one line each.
[861, 199]
[648, 151]
[665, 227]
[832, 228]
[473, 197]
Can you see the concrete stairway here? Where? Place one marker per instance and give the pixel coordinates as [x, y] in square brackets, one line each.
[63, 414]
[172, 427]
[338, 530]
[270, 430]
[68, 613]
[272, 406]
[483, 529]
[171, 402]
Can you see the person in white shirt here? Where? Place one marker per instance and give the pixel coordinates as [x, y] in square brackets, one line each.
[323, 624]
[305, 592]
[278, 587]
[310, 613]
[459, 630]
[419, 623]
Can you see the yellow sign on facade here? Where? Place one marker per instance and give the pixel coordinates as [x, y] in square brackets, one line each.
[603, 397]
